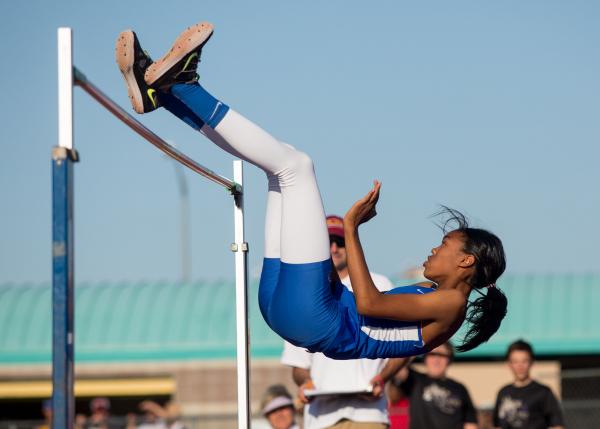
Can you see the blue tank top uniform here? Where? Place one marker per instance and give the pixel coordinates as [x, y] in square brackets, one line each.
[301, 304]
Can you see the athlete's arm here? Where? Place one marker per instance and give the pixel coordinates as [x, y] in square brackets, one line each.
[439, 306]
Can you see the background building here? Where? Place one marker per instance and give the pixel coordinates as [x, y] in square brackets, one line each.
[177, 341]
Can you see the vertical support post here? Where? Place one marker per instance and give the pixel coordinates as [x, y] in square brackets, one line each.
[63, 156]
[240, 247]
[65, 88]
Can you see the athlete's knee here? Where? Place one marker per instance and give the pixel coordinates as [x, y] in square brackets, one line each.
[298, 165]
[302, 163]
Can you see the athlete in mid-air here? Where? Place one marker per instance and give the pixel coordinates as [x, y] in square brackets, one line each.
[299, 296]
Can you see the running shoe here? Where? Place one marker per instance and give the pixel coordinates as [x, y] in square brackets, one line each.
[180, 63]
[133, 62]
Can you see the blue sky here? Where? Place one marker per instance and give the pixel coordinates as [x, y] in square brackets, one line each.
[488, 107]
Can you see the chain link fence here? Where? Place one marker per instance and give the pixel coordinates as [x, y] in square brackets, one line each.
[581, 398]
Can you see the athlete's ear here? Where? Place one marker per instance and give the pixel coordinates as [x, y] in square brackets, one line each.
[467, 261]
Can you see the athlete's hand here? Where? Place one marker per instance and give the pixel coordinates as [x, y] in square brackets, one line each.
[364, 209]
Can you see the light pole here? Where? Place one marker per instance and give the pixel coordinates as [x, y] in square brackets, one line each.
[184, 225]
[184, 206]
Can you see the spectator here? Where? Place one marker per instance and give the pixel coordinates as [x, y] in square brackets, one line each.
[525, 403]
[80, 421]
[153, 417]
[47, 413]
[156, 416]
[278, 408]
[436, 401]
[318, 371]
[100, 417]
[398, 407]
[173, 416]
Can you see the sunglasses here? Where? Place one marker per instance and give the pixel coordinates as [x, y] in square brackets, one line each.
[339, 241]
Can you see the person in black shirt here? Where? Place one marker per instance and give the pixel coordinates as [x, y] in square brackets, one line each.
[436, 401]
[525, 404]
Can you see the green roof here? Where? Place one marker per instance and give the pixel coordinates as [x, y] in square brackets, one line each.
[132, 322]
[164, 321]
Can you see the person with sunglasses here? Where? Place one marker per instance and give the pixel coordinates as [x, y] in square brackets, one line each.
[317, 371]
[435, 401]
[300, 295]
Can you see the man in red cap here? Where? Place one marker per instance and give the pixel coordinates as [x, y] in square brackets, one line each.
[335, 226]
[316, 371]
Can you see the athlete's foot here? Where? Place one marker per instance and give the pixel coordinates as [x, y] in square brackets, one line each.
[180, 63]
[133, 62]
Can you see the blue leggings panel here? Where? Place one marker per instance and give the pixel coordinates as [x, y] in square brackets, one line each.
[302, 305]
[176, 107]
[298, 301]
[201, 102]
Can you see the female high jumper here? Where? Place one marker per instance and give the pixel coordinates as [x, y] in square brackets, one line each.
[300, 296]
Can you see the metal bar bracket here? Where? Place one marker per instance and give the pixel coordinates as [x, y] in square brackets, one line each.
[242, 248]
[60, 154]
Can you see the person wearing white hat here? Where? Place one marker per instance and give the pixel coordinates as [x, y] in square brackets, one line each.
[278, 408]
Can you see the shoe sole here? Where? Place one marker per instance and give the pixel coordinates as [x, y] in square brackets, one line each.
[124, 53]
[188, 41]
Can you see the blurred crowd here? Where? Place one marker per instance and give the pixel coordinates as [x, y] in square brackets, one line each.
[426, 399]
[150, 415]
[412, 399]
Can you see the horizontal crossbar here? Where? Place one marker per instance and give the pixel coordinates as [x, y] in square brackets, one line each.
[81, 81]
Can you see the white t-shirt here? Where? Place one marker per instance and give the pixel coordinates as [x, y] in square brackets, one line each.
[352, 374]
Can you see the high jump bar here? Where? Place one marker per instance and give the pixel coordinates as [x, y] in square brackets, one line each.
[63, 157]
[81, 81]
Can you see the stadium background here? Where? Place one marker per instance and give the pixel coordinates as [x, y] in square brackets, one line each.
[177, 341]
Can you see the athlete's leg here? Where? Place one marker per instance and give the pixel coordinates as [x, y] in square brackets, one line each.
[303, 233]
[304, 236]
[177, 108]
[301, 306]
[269, 277]
[272, 253]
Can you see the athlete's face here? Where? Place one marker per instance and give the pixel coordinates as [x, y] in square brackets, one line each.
[437, 362]
[447, 259]
[337, 247]
[281, 418]
[520, 362]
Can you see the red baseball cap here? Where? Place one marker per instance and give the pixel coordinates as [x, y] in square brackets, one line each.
[335, 226]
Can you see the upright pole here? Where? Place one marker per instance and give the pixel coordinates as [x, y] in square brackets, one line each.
[240, 247]
[63, 156]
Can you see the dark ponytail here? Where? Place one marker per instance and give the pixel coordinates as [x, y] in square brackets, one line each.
[485, 313]
[484, 316]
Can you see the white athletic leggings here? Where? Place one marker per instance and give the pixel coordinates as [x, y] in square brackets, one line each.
[295, 228]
